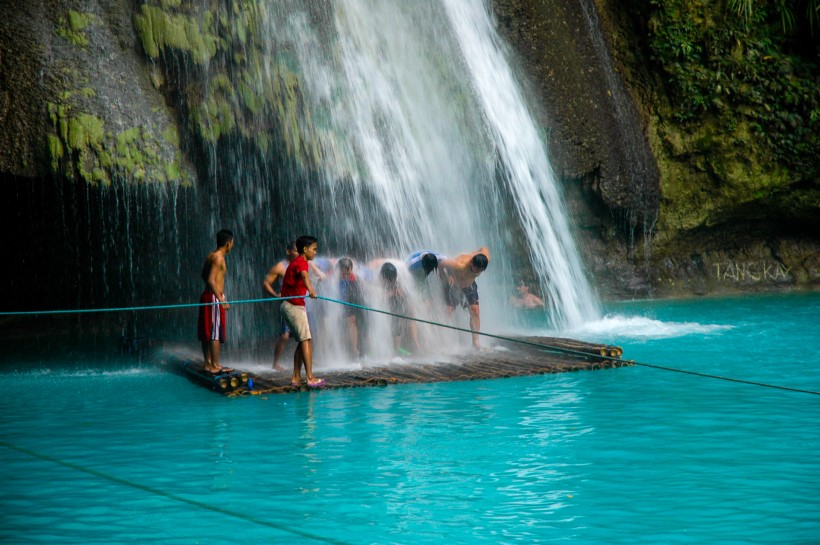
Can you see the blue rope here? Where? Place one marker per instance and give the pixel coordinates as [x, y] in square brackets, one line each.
[559, 349]
[153, 307]
[545, 347]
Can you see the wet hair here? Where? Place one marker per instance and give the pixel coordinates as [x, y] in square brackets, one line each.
[389, 272]
[344, 263]
[292, 246]
[429, 262]
[480, 261]
[303, 242]
[223, 237]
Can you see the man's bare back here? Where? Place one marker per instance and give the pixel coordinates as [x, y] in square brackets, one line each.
[459, 267]
[460, 273]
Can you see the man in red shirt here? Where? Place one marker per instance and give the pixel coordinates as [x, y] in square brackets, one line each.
[269, 285]
[296, 283]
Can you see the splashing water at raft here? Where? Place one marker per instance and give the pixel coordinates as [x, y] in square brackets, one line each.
[424, 141]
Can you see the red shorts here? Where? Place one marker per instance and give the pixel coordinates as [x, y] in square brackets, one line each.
[212, 318]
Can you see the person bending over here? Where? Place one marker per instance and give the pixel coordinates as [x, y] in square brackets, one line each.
[404, 331]
[459, 275]
[350, 291]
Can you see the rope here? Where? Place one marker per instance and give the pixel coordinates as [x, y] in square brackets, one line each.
[464, 329]
[573, 352]
[730, 379]
[154, 307]
[545, 347]
[174, 497]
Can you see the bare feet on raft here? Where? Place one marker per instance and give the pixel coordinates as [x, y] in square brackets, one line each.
[217, 370]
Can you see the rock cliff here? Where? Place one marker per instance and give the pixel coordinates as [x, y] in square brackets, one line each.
[729, 118]
[687, 143]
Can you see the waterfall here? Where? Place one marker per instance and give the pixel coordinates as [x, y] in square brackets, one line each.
[425, 141]
[380, 127]
[530, 178]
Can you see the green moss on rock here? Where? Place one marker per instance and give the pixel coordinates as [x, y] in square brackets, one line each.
[159, 30]
[80, 146]
[72, 26]
[84, 131]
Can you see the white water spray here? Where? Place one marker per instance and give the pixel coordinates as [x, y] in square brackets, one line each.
[530, 177]
[426, 142]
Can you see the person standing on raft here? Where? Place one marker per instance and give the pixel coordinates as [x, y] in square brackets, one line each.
[297, 284]
[273, 280]
[212, 320]
[460, 287]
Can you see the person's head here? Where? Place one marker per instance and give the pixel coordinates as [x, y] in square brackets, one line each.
[479, 262]
[324, 264]
[291, 251]
[429, 262]
[522, 287]
[344, 266]
[224, 238]
[389, 273]
[307, 246]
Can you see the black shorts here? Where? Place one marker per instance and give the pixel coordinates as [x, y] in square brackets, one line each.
[471, 294]
[464, 297]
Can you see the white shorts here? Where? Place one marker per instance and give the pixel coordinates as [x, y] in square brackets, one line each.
[296, 317]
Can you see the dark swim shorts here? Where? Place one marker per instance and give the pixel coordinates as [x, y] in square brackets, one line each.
[465, 297]
[471, 294]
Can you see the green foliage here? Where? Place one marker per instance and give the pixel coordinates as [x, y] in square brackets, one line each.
[791, 15]
[744, 8]
[737, 70]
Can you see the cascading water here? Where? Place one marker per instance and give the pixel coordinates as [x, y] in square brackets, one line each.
[529, 176]
[426, 142]
[381, 127]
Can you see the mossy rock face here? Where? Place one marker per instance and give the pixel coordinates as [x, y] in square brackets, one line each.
[73, 25]
[160, 29]
[81, 100]
[85, 150]
[731, 119]
[234, 85]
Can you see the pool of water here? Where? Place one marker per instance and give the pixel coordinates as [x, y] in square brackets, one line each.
[132, 453]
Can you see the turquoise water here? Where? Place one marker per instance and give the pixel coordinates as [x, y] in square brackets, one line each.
[126, 453]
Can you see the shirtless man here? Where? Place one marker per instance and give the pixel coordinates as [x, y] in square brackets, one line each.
[525, 299]
[212, 315]
[272, 281]
[460, 274]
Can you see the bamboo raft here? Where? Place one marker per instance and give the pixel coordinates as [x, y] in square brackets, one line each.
[512, 359]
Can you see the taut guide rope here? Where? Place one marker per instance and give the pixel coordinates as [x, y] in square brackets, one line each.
[175, 497]
[437, 324]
